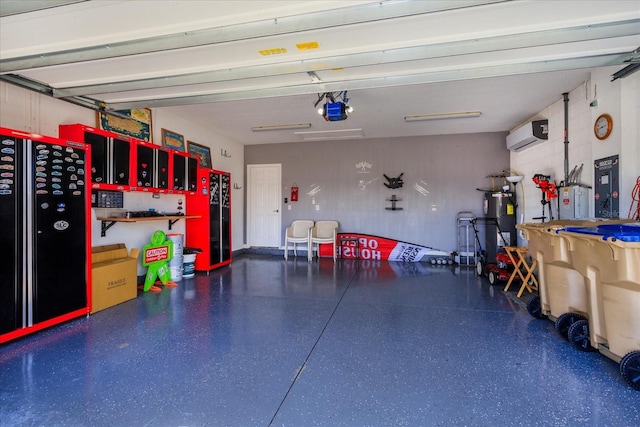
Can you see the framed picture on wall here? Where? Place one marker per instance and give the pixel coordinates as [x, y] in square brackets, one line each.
[135, 123]
[173, 140]
[202, 152]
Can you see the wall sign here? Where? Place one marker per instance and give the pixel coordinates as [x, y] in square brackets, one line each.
[135, 123]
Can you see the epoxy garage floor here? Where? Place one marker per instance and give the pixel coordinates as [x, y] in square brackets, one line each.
[270, 342]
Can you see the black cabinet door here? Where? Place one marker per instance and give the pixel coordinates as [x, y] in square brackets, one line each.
[192, 174]
[225, 212]
[163, 169]
[215, 244]
[59, 233]
[11, 214]
[179, 172]
[121, 160]
[98, 156]
[145, 166]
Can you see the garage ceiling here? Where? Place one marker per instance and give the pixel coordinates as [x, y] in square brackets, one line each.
[238, 65]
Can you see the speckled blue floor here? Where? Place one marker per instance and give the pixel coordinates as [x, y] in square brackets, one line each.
[270, 342]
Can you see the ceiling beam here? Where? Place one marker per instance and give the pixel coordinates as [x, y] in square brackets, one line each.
[439, 50]
[16, 7]
[45, 89]
[371, 12]
[379, 82]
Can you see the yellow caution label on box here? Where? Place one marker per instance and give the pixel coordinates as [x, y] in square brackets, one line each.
[510, 209]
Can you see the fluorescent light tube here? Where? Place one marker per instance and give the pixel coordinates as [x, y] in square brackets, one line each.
[281, 127]
[444, 116]
[331, 134]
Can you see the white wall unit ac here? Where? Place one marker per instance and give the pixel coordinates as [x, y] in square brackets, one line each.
[532, 133]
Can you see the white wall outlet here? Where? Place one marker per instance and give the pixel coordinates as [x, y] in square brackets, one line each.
[313, 201]
[289, 207]
[317, 207]
[434, 207]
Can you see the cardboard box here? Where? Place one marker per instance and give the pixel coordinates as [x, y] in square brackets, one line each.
[113, 275]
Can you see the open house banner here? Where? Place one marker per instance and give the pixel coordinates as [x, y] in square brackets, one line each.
[367, 247]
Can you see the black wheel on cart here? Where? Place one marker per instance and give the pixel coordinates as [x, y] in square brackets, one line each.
[493, 278]
[630, 369]
[578, 335]
[564, 322]
[534, 308]
[480, 268]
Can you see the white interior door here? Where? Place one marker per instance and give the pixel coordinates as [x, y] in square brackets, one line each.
[263, 205]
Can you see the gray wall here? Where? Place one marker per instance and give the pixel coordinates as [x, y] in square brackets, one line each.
[449, 167]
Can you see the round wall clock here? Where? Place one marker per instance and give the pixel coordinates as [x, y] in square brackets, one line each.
[603, 126]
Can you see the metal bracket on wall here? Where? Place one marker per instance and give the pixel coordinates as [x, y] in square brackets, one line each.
[105, 226]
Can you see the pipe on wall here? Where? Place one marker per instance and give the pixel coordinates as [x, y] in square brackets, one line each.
[565, 97]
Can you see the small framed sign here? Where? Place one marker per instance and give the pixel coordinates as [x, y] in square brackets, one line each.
[201, 152]
[135, 123]
[173, 140]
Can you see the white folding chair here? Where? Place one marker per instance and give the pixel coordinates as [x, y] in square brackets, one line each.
[323, 232]
[297, 232]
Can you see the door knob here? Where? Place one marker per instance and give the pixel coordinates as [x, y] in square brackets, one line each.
[277, 210]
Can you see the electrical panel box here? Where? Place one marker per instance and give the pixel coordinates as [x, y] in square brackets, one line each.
[607, 187]
[573, 202]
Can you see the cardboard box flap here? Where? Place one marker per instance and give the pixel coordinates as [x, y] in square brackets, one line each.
[110, 262]
[112, 252]
[106, 248]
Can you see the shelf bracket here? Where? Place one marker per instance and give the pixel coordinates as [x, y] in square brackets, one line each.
[173, 221]
[107, 225]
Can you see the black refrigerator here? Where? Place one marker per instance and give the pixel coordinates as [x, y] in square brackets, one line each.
[45, 232]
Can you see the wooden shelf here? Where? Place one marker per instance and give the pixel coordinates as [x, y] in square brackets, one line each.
[108, 222]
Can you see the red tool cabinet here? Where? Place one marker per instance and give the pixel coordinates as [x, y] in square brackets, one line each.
[212, 232]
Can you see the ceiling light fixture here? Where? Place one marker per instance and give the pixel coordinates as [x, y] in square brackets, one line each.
[326, 135]
[281, 127]
[444, 116]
